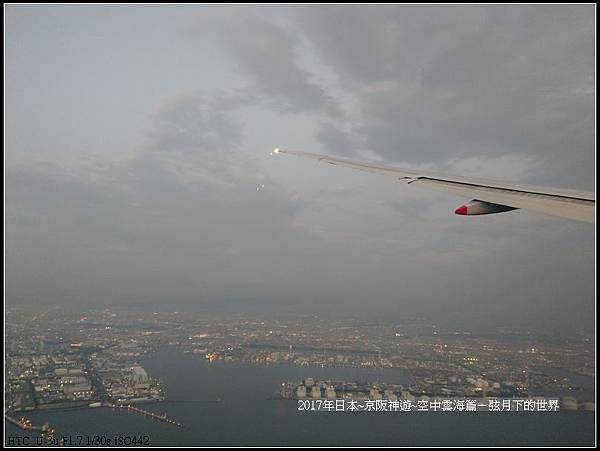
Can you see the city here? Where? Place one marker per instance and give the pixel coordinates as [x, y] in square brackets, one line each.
[59, 358]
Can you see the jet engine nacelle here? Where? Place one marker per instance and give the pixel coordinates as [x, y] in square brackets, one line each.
[479, 207]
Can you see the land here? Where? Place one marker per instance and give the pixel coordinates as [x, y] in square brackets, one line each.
[58, 357]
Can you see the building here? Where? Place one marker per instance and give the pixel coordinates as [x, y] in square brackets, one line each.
[315, 392]
[406, 395]
[569, 403]
[60, 372]
[138, 378]
[301, 391]
[73, 380]
[287, 391]
[78, 391]
[389, 395]
[330, 392]
[76, 387]
[374, 394]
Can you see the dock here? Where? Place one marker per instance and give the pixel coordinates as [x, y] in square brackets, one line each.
[26, 425]
[162, 418]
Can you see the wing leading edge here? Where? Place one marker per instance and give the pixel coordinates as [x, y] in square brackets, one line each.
[488, 196]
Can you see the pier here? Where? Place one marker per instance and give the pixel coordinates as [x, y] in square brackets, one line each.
[26, 425]
[192, 401]
[163, 418]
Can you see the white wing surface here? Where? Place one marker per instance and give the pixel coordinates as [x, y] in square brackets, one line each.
[488, 196]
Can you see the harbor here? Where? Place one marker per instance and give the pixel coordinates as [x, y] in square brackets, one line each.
[27, 425]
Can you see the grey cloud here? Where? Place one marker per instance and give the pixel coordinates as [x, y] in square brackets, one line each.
[443, 82]
[193, 134]
[414, 208]
[336, 140]
[267, 53]
[167, 205]
[369, 44]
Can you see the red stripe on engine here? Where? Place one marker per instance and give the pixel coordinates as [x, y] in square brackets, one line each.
[462, 210]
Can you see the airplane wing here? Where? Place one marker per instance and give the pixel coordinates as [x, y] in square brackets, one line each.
[488, 196]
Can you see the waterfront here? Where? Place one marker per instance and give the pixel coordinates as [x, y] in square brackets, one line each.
[246, 415]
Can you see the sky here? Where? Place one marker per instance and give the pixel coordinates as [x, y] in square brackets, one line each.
[137, 166]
